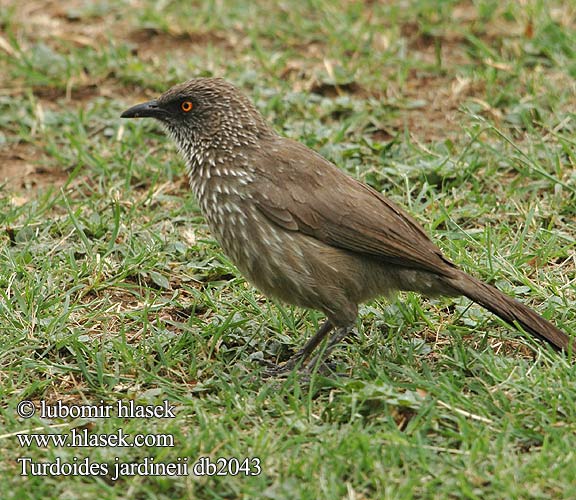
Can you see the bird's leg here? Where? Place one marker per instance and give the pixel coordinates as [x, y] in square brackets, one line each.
[303, 354]
[340, 334]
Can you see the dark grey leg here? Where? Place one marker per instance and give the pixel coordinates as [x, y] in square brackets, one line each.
[339, 336]
[303, 354]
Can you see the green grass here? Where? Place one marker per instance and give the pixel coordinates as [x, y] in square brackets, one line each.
[112, 288]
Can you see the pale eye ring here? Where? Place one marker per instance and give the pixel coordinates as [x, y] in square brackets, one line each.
[186, 106]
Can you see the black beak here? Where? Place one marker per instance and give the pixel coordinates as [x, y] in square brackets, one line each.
[146, 109]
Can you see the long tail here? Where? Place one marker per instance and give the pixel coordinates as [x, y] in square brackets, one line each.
[509, 309]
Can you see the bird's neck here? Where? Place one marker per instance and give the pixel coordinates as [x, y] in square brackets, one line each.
[215, 174]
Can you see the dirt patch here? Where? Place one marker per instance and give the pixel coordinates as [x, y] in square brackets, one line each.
[151, 42]
[448, 48]
[78, 93]
[19, 170]
[334, 90]
[55, 22]
[432, 104]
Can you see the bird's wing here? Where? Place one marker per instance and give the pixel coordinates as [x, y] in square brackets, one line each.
[302, 191]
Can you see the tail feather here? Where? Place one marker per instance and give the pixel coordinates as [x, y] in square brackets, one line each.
[509, 309]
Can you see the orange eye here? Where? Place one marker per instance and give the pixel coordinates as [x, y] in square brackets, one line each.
[186, 106]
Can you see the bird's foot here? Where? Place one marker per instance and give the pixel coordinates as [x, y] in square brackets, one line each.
[301, 360]
[275, 371]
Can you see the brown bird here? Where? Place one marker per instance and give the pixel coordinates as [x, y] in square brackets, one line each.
[300, 229]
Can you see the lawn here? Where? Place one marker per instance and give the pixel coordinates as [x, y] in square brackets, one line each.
[124, 324]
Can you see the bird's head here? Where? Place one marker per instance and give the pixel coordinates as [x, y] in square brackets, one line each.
[205, 112]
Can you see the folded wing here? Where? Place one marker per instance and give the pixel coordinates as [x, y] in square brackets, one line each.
[311, 195]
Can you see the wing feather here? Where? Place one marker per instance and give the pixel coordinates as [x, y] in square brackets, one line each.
[311, 195]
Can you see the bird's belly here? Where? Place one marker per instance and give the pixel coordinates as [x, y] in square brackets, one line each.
[301, 270]
[273, 260]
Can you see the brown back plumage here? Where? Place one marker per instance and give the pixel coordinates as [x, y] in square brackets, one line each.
[319, 200]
